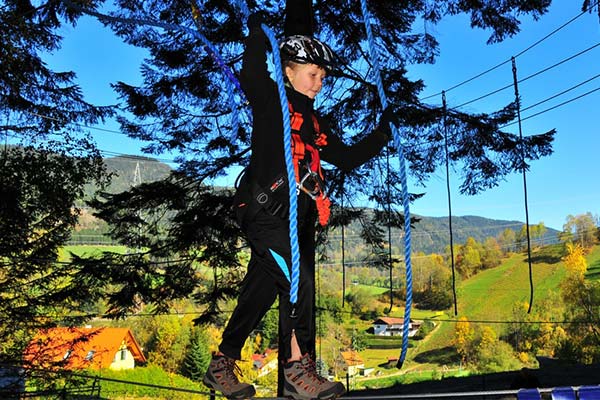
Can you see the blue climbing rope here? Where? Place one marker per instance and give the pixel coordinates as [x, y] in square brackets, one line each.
[405, 198]
[291, 176]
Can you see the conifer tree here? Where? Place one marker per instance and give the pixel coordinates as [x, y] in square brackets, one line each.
[184, 105]
[45, 161]
[197, 356]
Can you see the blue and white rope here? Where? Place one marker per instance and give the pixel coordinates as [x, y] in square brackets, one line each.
[291, 176]
[405, 197]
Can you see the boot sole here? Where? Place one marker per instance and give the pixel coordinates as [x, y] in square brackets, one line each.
[298, 396]
[209, 384]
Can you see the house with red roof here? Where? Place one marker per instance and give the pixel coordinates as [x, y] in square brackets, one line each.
[389, 326]
[80, 348]
[265, 362]
[353, 362]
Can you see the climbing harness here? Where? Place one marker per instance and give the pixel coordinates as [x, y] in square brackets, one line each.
[405, 196]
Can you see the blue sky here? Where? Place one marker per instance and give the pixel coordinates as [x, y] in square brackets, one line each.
[562, 184]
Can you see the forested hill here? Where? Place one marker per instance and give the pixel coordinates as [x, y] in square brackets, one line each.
[429, 235]
[432, 234]
[129, 170]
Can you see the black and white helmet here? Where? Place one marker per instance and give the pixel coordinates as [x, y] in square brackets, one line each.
[307, 50]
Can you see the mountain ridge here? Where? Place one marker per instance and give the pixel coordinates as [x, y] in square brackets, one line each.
[429, 235]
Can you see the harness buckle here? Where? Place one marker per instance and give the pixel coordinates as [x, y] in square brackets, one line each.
[310, 184]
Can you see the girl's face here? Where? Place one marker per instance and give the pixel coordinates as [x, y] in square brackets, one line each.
[306, 78]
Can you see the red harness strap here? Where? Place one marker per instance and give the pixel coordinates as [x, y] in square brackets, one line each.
[299, 150]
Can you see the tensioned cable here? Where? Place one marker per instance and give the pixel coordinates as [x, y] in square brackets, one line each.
[133, 157]
[209, 47]
[432, 319]
[529, 76]
[343, 242]
[518, 54]
[556, 106]
[403, 182]
[561, 93]
[229, 83]
[444, 105]
[424, 143]
[362, 397]
[518, 102]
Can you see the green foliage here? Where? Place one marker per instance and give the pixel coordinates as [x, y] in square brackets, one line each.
[268, 328]
[424, 330]
[197, 356]
[151, 375]
[496, 357]
[38, 190]
[582, 300]
[167, 346]
[582, 229]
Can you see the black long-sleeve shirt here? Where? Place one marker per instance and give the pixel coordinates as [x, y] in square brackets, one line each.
[267, 161]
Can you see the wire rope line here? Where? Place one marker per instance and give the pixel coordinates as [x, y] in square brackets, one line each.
[213, 394]
[524, 173]
[229, 83]
[403, 180]
[554, 107]
[560, 93]
[414, 145]
[447, 162]
[485, 72]
[529, 76]
[289, 163]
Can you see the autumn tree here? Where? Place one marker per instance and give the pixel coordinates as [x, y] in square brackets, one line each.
[580, 228]
[464, 334]
[468, 258]
[537, 233]
[575, 261]
[435, 290]
[507, 240]
[491, 254]
[493, 354]
[534, 333]
[582, 308]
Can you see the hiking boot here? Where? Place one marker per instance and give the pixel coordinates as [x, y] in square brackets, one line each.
[222, 376]
[302, 382]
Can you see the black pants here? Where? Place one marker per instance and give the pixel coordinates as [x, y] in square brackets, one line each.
[265, 280]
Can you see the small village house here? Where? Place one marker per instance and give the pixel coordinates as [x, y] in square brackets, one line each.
[265, 362]
[81, 348]
[353, 362]
[389, 326]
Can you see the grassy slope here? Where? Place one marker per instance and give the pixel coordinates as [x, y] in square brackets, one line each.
[490, 295]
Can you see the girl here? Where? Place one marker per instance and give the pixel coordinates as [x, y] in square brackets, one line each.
[262, 205]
